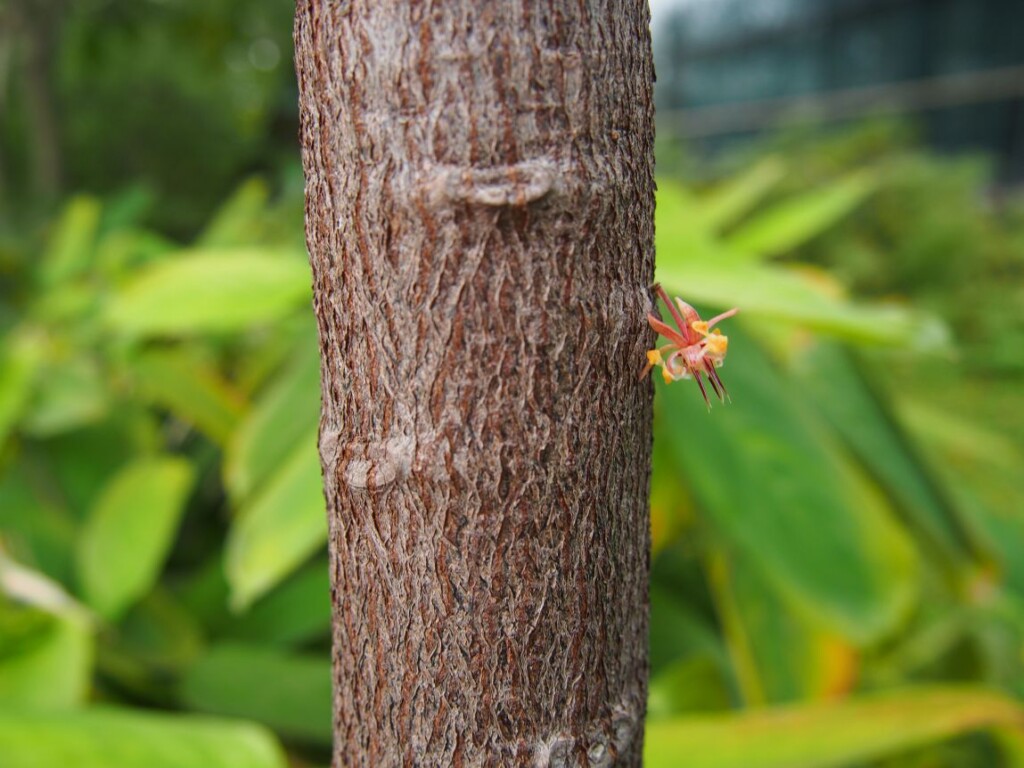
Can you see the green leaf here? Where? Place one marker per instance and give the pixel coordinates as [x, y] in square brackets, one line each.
[157, 633]
[282, 526]
[20, 357]
[770, 479]
[679, 229]
[45, 659]
[731, 200]
[692, 684]
[798, 219]
[195, 392]
[770, 292]
[71, 393]
[129, 532]
[234, 222]
[677, 630]
[826, 735]
[79, 464]
[778, 656]
[71, 244]
[704, 270]
[111, 738]
[982, 470]
[36, 530]
[285, 415]
[210, 291]
[858, 411]
[297, 611]
[290, 693]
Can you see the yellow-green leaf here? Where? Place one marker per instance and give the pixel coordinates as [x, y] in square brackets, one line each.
[286, 413]
[129, 532]
[210, 291]
[826, 735]
[282, 526]
[112, 738]
[798, 219]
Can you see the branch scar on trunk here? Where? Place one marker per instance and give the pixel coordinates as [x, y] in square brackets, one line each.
[515, 185]
[377, 464]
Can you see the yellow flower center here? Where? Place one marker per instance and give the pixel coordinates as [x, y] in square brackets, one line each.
[716, 345]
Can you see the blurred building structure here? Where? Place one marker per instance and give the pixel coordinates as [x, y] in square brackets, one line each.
[730, 69]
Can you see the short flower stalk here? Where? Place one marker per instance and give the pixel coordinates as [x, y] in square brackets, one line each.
[695, 349]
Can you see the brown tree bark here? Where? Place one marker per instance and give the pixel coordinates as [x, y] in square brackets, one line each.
[479, 215]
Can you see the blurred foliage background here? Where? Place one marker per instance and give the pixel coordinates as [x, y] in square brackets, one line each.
[838, 566]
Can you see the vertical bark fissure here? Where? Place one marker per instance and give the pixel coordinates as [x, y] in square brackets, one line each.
[480, 225]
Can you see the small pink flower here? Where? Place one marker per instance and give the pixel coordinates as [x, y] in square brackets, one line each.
[693, 351]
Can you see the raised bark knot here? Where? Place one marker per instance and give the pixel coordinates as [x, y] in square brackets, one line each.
[516, 185]
[376, 464]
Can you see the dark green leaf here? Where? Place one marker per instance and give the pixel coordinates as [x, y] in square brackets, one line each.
[767, 475]
[298, 610]
[862, 418]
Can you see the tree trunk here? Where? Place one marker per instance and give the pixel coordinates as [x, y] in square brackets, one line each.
[479, 215]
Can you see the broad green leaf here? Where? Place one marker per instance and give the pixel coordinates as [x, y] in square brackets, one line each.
[194, 392]
[826, 735]
[45, 659]
[210, 291]
[129, 532]
[861, 416]
[768, 476]
[71, 245]
[289, 693]
[801, 218]
[111, 738]
[234, 222]
[297, 611]
[732, 199]
[982, 470]
[20, 357]
[778, 656]
[285, 415]
[282, 526]
[768, 292]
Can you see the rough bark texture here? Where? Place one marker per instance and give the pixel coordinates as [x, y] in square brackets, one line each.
[480, 222]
